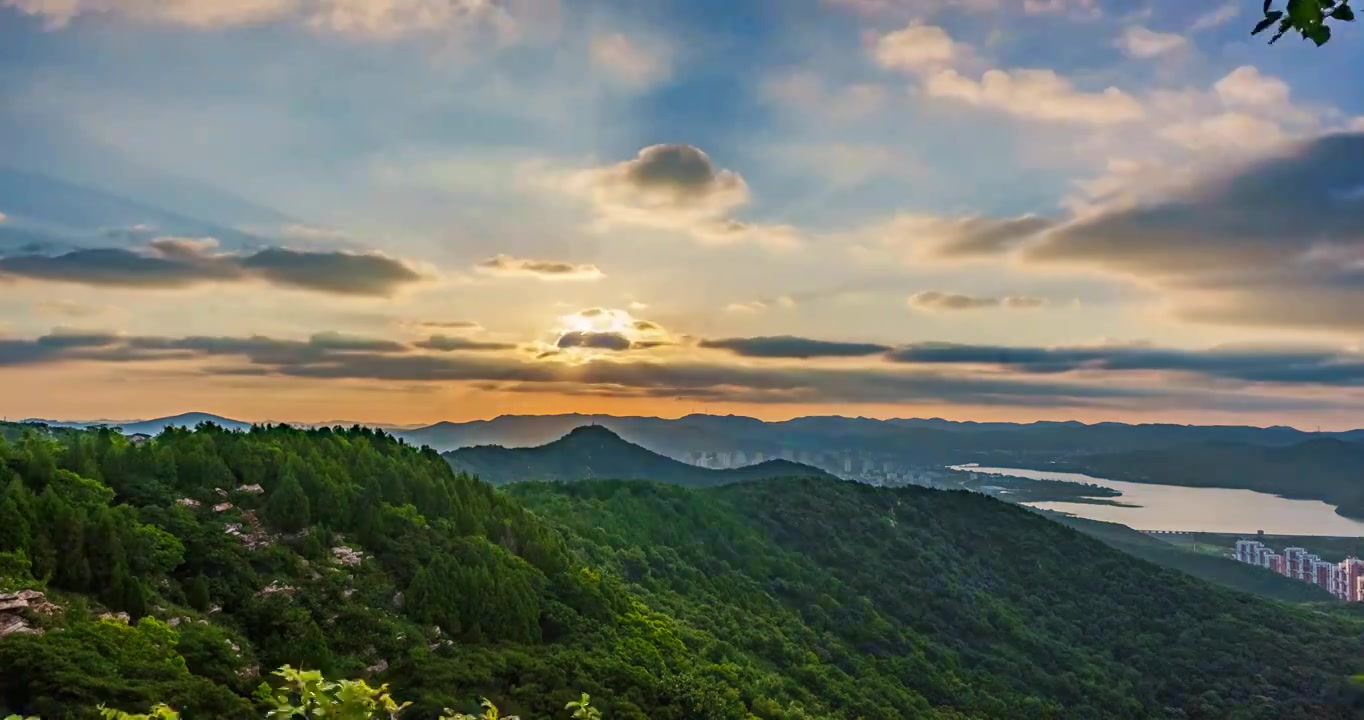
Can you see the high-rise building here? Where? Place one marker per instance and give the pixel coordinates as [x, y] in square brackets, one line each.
[1249, 551]
[1353, 568]
[847, 464]
[740, 459]
[1295, 562]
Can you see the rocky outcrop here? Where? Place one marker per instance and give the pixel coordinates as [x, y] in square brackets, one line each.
[19, 612]
[347, 556]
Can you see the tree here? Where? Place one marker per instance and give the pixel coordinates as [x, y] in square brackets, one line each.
[1308, 18]
[14, 526]
[197, 594]
[287, 506]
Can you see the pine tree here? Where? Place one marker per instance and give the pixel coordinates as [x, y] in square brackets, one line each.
[107, 560]
[287, 505]
[14, 528]
[197, 594]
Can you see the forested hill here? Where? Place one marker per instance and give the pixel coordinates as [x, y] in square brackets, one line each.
[791, 599]
[593, 451]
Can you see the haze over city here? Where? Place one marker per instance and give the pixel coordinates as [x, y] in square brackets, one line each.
[409, 211]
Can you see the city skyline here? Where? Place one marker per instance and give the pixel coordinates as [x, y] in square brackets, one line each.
[406, 211]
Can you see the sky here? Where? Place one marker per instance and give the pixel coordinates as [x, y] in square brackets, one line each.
[405, 211]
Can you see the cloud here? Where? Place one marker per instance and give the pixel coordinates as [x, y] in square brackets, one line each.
[1246, 86]
[787, 346]
[1110, 377]
[1143, 43]
[632, 63]
[957, 238]
[1217, 17]
[448, 325]
[333, 272]
[665, 180]
[1276, 242]
[674, 187]
[1260, 365]
[1036, 94]
[919, 48]
[170, 263]
[68, 308]
[448, 343]
[594, 340]
[933, 301]
[361, 18]
[929, 53]
[509, 266]
[751, 307]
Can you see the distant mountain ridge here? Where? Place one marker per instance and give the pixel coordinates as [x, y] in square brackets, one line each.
[917, 441]
[592, 452]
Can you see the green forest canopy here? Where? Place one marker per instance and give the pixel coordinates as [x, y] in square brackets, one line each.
[352, 553]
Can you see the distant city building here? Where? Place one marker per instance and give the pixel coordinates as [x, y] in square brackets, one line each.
[847, 464]
[1344, 580]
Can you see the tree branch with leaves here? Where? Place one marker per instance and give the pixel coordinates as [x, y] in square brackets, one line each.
[1309, 18]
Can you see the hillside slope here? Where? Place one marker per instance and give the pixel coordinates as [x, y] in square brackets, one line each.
[593, 452]
[1215, 569]
[792, 599]
[920, 600]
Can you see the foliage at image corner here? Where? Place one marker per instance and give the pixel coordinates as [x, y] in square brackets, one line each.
[306, 693]
[1309, 18]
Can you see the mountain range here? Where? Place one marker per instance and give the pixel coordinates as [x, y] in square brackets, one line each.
[592, 451]
[921, 441]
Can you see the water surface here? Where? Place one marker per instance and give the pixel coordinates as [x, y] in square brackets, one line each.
[1170, 507]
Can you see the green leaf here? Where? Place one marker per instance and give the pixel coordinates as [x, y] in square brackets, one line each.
[1343, 12]
[1263, 25]
[1305, 14]
[1319, 34]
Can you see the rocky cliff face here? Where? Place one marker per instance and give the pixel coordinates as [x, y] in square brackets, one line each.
[21, 611]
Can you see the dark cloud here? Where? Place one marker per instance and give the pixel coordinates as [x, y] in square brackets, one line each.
[168, 263]
[594, 340]
[933, 300]
[681, 168]
[333, 272]
[1278, 242]
[646, 326]
[448, 343]
[788, 346]
[542, 269]
[339, 341]
[1266, 365]
[324, 356]
[668, 180]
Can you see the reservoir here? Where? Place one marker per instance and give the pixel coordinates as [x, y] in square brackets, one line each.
[1170, 507]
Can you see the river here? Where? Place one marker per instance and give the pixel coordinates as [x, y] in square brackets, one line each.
[1171, 507]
